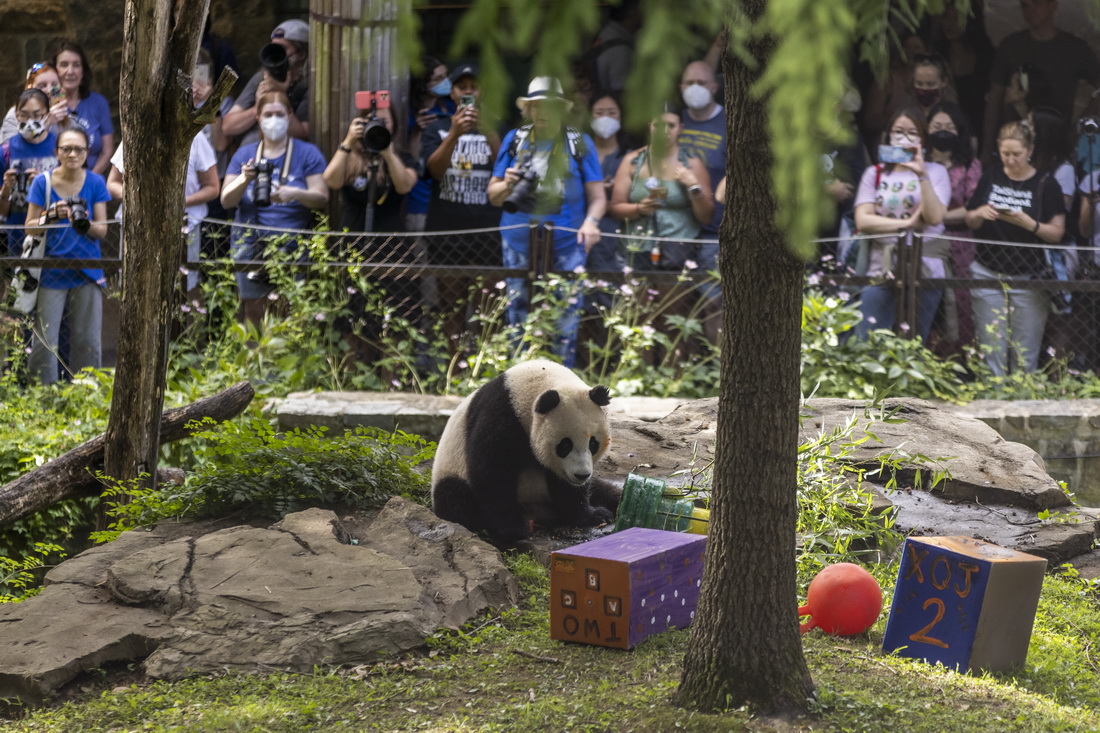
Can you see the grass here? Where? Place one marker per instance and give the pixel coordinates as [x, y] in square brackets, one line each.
[503, 673]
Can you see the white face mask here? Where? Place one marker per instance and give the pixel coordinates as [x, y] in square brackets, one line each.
[30, 129]
[902, 141]
[697, 96]
[274, 127]
[851, 101]
[605, 127]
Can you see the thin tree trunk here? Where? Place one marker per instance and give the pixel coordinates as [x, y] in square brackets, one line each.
[159, 121]
[73, 474]
[745, 646]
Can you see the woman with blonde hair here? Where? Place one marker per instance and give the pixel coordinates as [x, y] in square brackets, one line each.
[1020, 206]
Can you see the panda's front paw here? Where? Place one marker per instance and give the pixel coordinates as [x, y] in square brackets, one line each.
[600, 515]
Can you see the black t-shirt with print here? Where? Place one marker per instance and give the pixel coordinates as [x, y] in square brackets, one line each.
[1039, 197]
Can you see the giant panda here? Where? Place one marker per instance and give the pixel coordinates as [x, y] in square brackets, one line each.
[521, 449]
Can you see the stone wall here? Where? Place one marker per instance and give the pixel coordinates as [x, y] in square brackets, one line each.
[1065, 433]
[29, 30]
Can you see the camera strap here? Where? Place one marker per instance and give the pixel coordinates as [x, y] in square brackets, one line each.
[284, 174]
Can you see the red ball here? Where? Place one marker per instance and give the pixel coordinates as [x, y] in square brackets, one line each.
[843, 599]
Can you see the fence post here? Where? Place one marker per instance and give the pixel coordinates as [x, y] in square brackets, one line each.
[908, 282]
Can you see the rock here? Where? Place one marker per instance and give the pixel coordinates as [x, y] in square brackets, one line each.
[983, 466]
[289, 596]
[995, 490]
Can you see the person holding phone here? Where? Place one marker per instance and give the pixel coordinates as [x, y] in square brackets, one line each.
[43, 77]
[901, 193]
[85, 108]
[1019, 205]
[661, 191]
[431, 100]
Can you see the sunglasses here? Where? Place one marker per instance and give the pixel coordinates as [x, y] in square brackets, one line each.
[36, 68]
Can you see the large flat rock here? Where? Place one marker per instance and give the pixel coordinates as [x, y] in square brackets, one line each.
[291, 596]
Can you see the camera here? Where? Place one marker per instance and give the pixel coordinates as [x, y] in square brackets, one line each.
[376, 137]
[22, 184]
[78, 214]
[523, 198]
[261, 194]
[1088, 126]
[275, 62]
[467, 100]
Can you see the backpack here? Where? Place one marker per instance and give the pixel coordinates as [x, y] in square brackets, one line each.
[574, 138]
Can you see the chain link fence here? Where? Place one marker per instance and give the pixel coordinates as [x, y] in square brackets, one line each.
[448, 282]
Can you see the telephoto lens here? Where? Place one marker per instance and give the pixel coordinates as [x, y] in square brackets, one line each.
[78, 215]
[262, 192]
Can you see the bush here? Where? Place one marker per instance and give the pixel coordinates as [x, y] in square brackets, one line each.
[253, 470]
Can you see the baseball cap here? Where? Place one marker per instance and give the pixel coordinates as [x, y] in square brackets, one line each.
[293, 30]
[461, 71]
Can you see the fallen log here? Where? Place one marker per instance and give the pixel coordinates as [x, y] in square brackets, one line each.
[72, 475]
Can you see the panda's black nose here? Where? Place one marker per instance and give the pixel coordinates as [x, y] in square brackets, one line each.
[582, 477]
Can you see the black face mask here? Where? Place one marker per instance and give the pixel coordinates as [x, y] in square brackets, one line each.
[943, 140]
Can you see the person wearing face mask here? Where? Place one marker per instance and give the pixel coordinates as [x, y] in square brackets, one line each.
[1018, 205]
[43, 77]
[703, 136]
[611, 148]
[950, 144]
[297, 190]
[433, 99]
[894, 198]
[293, 36]
[30, 152]
[930, 83]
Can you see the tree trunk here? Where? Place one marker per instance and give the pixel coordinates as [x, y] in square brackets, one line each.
[73, 474]
[745, 645]
[159, 120]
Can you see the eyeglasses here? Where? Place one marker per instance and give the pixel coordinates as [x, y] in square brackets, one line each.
[72, 150]
[23, 117]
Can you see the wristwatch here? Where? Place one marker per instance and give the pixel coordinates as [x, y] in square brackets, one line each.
[592, 219]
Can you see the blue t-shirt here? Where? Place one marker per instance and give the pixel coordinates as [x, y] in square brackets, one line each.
[706, 140]
[305, 160]
[574, 202]
[67, 243]
[41, 157]
[94, 115]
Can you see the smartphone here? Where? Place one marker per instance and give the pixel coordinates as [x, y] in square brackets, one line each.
[467, 100]
[57, 94]
[372, 100]
[202, 74]
[895, 154]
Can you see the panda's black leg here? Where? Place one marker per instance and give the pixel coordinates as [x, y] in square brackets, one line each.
[502, 515]
[453, 500]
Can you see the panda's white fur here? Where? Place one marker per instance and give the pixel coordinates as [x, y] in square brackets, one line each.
[523, 447]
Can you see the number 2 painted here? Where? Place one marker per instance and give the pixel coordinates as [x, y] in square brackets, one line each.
[921, 635]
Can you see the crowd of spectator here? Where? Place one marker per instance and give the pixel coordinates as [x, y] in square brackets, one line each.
[956, 143]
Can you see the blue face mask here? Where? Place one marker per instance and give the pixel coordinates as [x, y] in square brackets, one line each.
[442, 89]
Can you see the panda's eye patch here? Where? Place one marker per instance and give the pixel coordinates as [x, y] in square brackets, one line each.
[565, 447]
[593, 445]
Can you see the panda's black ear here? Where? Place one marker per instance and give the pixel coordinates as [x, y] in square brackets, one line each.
[548, 400]
[600, 395]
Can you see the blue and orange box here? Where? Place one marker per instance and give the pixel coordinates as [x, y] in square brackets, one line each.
[624, 587]
[965, 603]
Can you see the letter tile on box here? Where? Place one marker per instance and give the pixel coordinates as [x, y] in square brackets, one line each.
[624, 587]
[965, 603]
